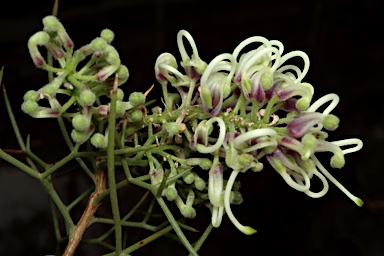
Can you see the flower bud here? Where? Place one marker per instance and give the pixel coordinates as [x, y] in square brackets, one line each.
[119, 94]
[122, 72]
[87, 98]
[215, 185]
[166, 63]
[170, 193]
[245, 159]
[78, 136]
[266, 80]
[29, 107]
[81, 122]
[31, 95]
[137, 98]
[39, 38]
[112, 56]
[98, 140]
[137, 115]
[205, 164]
[52, 24]
[189, 178]
[98, 44]
[156, 175]
[200, 184]
[49, 90]
[107, 35]
[172, 128]
[188, 211]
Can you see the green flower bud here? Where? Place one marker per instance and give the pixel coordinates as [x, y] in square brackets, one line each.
[188, 211]
[98, 140]
[51, 23]
[122, 71]
[98, 44]
[31, 95]
[120, 94]
[87, 98]
[245, 159]
[200, 184]
[29, 106]
[39, 38]
[120, 108]
[266, 80]
[246, 83]
[256, 167]
[172, 128]
[81, 123]
[189, 178]
[49, 90]
[302, 103]
[205, 164]
[112, 56]
[137, 115]
[78, 136]
[331, 122]
[107, 35]
[309, 141]
[170, 193]
[137, 98]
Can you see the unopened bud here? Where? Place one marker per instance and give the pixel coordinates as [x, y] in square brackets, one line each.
[107, 35]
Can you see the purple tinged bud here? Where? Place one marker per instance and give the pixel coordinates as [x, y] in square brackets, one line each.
[299, 126]
[103, 110]
[39, 38]
[52, 24]
[290, 105]
[215, 185]
[271, 91]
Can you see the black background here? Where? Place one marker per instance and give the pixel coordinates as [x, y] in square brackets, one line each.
[344, 41]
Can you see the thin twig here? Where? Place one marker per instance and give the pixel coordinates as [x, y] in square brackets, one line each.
[86, 218]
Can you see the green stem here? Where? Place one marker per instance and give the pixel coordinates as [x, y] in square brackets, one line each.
[70, 146]
[270, 104]
[67, 104]
[10, 159]
[81, 197]
[16, 127]
[134, 224]
[145, 241]
[202, 239]
[69, 225]
[175, 226]
[55, 221]
[111, 170]
[59, 164]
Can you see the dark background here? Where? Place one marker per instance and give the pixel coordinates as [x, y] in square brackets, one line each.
[344, 41]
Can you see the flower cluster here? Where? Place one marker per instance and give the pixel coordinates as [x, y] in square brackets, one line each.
[249, 106]
[85, 86]
[228, 114]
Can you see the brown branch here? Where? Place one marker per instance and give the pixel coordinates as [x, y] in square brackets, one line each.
[78, 232]
[14, 151]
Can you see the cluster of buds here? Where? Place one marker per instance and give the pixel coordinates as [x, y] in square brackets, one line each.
[243, 108]
[85, 85]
